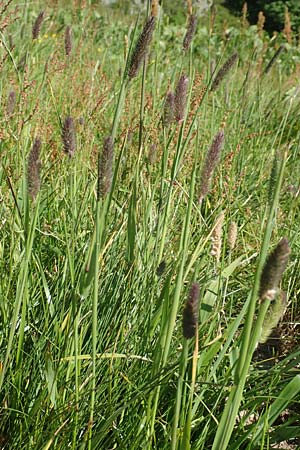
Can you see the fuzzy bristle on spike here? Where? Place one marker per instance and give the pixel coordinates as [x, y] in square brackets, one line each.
[105, 166]
[224, 70]
[273, 270]
[276, 55]
[181, 97]
[169, 109]
[232, 235]
[141, 49]
[190, 31]
[273, 316]
[216, 237]
[68, 41]
[210, 163]
[11, 102]
[69, 136]
[190, 312]
[36, 28]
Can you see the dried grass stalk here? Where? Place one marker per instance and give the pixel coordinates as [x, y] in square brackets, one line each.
[232, 235]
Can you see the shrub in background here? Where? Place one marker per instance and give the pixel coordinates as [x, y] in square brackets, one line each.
[273, 10]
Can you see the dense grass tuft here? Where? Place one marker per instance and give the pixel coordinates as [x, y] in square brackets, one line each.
[111, 134]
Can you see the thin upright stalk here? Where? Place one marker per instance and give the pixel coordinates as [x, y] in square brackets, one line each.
[95, 319]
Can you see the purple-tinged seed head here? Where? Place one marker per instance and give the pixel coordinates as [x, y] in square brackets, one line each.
[69, 136]
[210, 163]
[190, 312]
[181, 97]
[11, 102]
[141, 49]
[190, 31]
[68, 41]
[169, 109]
[224, 70]
[105, 168]
[36, 28]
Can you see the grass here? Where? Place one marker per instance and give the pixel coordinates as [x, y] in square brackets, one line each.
[93, 286]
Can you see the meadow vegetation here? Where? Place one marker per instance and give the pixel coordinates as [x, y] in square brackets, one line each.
[149, 230]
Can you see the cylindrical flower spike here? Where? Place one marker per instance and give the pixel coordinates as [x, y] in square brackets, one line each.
[224, 70]
[181, 97]
[273, 316]
[276, 55]
[190, 31]
[216, 237]
[68, 41]
[11, 102]
[141, 49]
[232, 235]
[169, 109]
[69, 136]
[105, 166]
[273, 270]
[36, 28]
[190, 312]
[210, 163]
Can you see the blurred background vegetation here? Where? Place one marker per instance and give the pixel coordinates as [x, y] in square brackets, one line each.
[275, 12]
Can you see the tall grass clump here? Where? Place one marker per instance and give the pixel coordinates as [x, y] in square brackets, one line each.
[149, 229]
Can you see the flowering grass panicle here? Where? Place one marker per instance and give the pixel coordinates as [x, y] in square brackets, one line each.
[190, 312]
[216, 237]
[33, 169]
[227, 66]
[11, 102]
[181, 97]
[105, 168]
[169, 109]
[161, 268]
[273, 270]
[273, 315]
[69, 136]
[141, 49]
[68, 40]
[276, 55]
[210, 163]
[152, 154]
[22, 62]
[36, 28]
[232, 235]
[191, 29]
